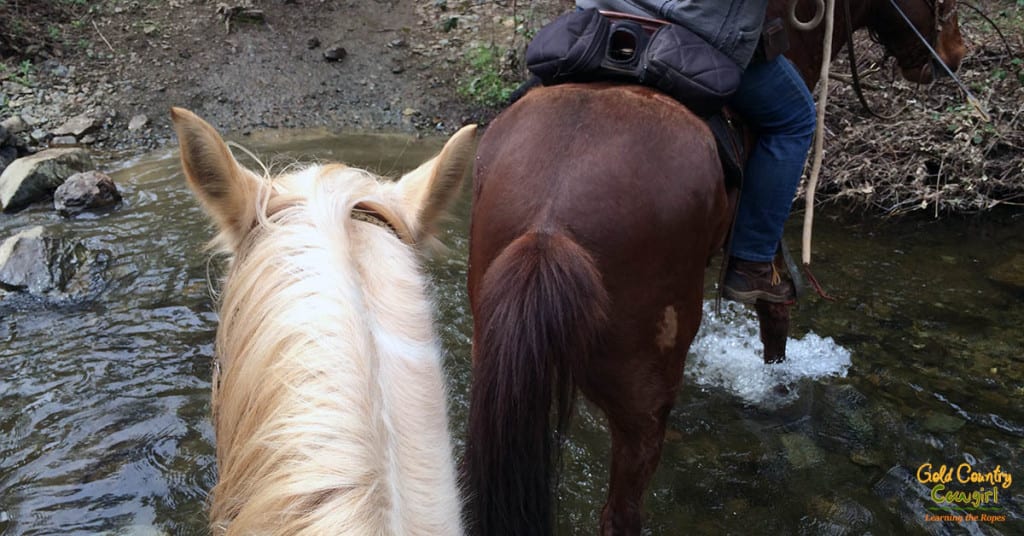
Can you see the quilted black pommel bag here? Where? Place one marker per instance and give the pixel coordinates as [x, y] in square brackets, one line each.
[579, 46]
[570, 47]
[682, 64]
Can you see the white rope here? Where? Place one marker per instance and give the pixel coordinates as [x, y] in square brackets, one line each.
[819, 133]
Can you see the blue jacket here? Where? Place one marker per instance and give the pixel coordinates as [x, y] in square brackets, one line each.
[732, 26]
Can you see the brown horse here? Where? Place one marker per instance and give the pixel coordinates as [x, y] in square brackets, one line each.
[596, 210]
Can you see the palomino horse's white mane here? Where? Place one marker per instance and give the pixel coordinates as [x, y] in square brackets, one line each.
[329, 405]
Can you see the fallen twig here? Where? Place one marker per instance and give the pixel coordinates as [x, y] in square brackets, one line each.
[94, 25]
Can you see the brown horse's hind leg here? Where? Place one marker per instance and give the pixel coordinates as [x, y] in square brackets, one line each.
[636, 448]
[636, 395]
[774, 319]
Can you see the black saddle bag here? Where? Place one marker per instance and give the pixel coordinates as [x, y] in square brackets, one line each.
[569, 48]
[586, 46]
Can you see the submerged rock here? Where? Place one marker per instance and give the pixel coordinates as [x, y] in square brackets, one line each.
[40, 265]
[84, 191]
[911, 503]
[836, 515]
[1010, 273]
[939, 423]
[801, 452]
[32, 178]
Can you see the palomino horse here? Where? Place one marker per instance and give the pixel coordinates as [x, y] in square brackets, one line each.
[329, 401]
[596, 210]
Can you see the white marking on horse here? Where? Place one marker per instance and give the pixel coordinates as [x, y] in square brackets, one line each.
[668, 328]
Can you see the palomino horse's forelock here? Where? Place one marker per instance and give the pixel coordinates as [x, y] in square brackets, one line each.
[330, 316]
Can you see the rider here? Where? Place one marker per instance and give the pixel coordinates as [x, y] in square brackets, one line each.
[774, 100]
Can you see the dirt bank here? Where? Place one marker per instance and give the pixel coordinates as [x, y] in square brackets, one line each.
[428, 67]
[370, 64]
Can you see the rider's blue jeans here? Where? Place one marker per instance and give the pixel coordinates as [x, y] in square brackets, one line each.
[773, 99]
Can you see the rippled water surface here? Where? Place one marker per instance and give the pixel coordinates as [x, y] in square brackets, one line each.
[105, 395]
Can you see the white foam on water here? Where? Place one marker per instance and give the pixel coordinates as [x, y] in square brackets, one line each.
[727, 354]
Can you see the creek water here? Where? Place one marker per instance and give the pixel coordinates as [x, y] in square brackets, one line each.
[104, 424]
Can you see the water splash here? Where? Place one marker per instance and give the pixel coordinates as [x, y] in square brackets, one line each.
[727, 354]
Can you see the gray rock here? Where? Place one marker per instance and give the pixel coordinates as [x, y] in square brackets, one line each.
[138, 122]
[37, 264]
[32, 178]
[39, 135]
[14, 88]
[63, 141]
[4, 135]
[7, 155]
[30, 120]
[335, 53]
[84, 191]
[14, 124]
[79, 125]
[56, 68]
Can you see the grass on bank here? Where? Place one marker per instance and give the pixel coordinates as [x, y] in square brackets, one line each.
[486, 81]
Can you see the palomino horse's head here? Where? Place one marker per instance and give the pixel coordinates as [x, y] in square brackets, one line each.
[231, 194]
[936, 20]
[328, 395]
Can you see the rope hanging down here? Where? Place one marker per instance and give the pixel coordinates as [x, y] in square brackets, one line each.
[819, 130]
[819, 137]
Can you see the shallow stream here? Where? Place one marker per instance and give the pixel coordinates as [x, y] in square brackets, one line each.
[104, 399]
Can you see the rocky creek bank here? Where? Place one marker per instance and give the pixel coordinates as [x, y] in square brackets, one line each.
[83, 84]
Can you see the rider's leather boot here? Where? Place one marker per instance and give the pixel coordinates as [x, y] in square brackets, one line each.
[749, 281]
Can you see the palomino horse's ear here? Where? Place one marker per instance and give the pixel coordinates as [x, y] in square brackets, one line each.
[428, 190]
[226, 190]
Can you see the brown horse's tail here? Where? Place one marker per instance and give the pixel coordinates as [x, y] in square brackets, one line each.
[542, 307]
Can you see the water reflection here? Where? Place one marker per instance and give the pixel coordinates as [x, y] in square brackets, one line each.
[104, 401]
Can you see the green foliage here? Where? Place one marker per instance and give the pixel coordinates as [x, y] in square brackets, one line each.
[21, 74]
[485, 83]
[1018, 66]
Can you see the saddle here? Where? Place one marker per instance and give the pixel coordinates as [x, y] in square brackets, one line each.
[731, 136]
[591, 46]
